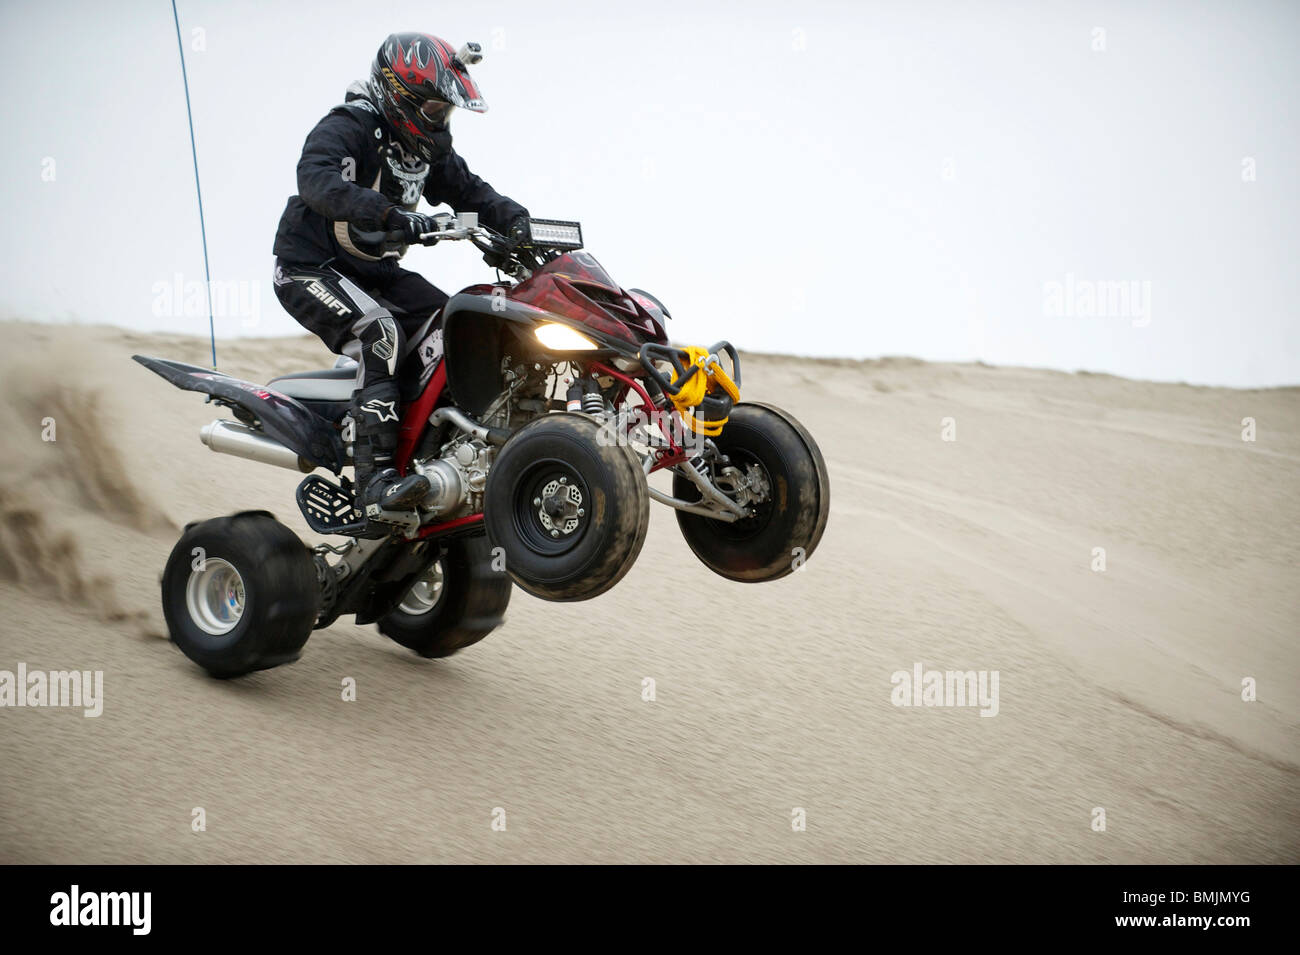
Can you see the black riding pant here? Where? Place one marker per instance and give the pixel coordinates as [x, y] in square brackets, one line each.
[373, 321]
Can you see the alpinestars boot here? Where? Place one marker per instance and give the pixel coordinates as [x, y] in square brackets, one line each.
[374, 412]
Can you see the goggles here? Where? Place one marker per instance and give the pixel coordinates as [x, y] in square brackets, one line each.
[437, 112]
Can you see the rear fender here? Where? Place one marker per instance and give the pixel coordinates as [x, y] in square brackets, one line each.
[282, 418]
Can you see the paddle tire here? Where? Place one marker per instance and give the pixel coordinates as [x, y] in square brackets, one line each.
[787, 527]
[458, 600]
[240, 594]
[569, 511]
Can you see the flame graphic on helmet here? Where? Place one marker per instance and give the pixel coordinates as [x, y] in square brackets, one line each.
[446, 78]
[414, 51]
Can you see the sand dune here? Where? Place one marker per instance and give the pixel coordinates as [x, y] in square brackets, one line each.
[1119, 689]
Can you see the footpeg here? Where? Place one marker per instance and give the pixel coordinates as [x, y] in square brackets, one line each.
[409, 521]
[328, 508]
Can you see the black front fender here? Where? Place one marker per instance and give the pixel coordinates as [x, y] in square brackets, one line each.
[282, 418]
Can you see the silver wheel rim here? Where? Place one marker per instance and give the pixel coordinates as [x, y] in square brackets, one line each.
[424, 593]
[214, 596]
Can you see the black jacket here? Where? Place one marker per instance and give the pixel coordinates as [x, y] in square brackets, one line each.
[352, 172]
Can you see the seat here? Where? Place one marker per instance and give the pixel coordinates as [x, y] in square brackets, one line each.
[326, 384]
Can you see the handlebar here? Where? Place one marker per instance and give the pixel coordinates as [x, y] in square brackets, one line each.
[516, 259]
[453, 227]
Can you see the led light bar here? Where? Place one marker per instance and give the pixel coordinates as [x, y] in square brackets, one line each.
[555, 234]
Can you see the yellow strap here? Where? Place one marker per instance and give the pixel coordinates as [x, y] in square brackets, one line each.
[692, 393]
[709, 378]
[720, 375]
[709, 429]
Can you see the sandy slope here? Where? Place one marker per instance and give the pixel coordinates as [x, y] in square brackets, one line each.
[1118, 689]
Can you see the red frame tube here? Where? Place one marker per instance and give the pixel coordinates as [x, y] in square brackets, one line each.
[416, 417]
[452, 525]
[676, 455]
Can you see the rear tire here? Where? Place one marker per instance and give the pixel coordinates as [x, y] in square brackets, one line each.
[458, 601]
[240, 594]
[787, 528]
[569, 507]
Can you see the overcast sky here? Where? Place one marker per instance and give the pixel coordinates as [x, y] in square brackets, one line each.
[1107, 186]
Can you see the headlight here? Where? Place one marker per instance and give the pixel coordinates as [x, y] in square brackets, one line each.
[555, 234]
[558, 337]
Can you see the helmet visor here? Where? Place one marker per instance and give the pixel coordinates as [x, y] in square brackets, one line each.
[436, 112]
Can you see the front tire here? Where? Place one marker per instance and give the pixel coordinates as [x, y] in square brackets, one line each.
[458, 600]
[785, 529]
[240, 594]
[569, 508]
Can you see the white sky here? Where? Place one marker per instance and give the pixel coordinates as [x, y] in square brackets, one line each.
[775, 173]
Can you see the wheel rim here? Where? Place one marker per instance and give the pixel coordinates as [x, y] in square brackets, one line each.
[551, 504]
[214, 596]
[424, 593]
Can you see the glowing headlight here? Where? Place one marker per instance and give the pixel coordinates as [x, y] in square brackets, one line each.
[558, 337]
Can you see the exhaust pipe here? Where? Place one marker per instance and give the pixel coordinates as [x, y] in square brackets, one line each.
[228, 437]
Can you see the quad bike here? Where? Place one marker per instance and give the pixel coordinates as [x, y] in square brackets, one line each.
[537, 408]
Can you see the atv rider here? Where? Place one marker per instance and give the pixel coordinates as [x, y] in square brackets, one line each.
[363, 170]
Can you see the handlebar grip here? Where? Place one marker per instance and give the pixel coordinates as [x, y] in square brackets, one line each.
[381, 236]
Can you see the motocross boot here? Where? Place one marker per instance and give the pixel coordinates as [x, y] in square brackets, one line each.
[374, 414]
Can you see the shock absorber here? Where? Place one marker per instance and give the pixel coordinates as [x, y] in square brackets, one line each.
[593, 402]
[584, 395]
[573, 397]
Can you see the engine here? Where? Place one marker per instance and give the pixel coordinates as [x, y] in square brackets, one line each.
[458, 472]
[456, 478]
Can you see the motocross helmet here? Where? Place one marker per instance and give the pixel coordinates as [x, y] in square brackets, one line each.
[416, 81]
